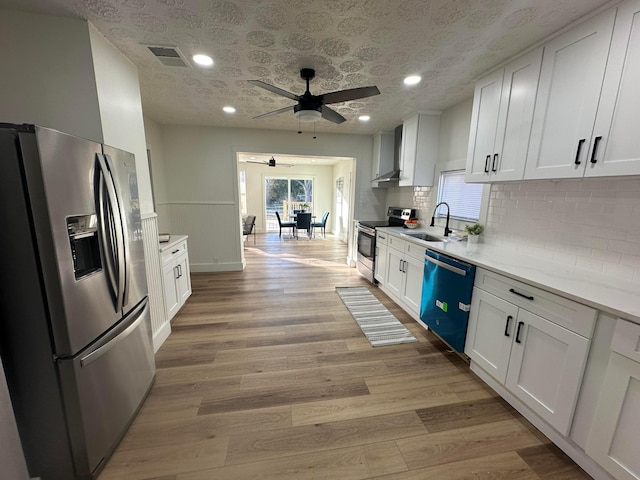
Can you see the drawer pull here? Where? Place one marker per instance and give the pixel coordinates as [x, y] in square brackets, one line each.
[528, 297]
[506, 327]
[175, 251]
[520, 324]
[580, 142]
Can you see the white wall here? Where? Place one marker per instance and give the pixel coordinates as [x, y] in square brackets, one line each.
[118, 90]
[47, 74]
[201, 170]
[153, 135]
[338, 221]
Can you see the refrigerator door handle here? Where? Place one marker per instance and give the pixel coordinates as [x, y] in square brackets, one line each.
[451, 268]
[96, 353]
[112, 232]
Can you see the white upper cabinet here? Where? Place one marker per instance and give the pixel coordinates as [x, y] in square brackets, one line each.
[419, 152]
[618, 150]
[501, 121]
[568, 94]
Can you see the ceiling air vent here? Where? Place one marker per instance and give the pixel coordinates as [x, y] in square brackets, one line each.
[169, 56]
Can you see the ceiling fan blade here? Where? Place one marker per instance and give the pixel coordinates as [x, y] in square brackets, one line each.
[275, 112]
[349, 94]
[276, 90]
[332, 115]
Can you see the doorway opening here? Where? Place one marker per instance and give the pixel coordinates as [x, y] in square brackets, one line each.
[296, 182]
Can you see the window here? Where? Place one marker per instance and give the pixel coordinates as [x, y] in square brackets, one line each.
[463, 198]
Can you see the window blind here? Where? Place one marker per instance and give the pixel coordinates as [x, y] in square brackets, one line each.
[463, 198]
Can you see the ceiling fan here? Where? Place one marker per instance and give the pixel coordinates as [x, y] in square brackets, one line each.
[311, 108]
[272, 163]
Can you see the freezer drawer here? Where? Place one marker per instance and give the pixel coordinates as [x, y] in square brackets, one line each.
[104, 387]
[446, 297]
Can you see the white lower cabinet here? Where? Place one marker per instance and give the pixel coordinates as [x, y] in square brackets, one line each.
[404, 270]
[539, 361]
[613, 441]
[176, 279]
[380, 265]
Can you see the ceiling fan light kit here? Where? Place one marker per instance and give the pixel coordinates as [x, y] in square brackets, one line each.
[311, 108]
[308, 115]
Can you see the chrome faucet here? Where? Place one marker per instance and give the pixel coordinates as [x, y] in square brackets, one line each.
[447, 231]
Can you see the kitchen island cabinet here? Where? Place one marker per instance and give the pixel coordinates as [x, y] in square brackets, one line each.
[176, 278]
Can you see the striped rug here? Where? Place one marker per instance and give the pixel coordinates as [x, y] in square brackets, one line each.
[376, 322]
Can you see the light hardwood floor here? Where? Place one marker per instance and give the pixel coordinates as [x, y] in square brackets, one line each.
[267, 376]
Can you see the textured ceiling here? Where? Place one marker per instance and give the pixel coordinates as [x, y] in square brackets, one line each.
[350, 43]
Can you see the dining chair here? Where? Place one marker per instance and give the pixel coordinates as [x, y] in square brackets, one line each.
[303, 222]
[282, 224]
[248, 227]
[322, 224]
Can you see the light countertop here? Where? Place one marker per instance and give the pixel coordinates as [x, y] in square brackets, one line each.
[616, 296]
[173, 240]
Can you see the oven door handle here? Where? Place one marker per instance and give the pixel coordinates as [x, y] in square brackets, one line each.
[367, 230]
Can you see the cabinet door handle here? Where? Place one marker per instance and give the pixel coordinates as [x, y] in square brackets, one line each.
[176, 272]
[528, 297]
[520, 324]
[404, 266]
[400, 265]
[595, 149]
[506, 327]
[580, 142]
[486, 164]
[494, 164]
[179, 271]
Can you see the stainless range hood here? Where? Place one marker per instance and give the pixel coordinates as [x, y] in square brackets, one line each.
[392, 154]
[391, 176]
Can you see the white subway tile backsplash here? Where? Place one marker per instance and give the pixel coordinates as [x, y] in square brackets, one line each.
[590, 223]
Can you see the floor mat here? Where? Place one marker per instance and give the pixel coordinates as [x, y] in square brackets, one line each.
[377, 323]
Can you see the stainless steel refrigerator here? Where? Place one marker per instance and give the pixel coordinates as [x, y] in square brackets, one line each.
[75, 333]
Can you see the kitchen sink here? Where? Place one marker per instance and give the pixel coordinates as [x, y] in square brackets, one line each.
[426, 237]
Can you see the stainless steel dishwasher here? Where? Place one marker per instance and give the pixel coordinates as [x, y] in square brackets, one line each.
[446, 297]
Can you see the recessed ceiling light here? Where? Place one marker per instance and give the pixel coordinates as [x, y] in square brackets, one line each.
[203, 60]
[364, 118]
[412, 80]
[229, 109]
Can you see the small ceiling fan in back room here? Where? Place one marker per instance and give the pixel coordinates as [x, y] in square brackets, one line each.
[311, 108]
[271, 163]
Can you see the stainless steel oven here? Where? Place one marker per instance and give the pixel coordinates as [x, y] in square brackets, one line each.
[366, 243]
[366, 252]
